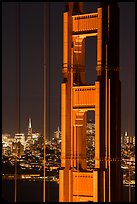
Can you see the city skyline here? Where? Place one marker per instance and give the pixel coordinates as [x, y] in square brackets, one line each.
[8, 152]
[32, 65]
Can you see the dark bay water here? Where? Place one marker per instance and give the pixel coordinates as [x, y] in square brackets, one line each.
[31, 191]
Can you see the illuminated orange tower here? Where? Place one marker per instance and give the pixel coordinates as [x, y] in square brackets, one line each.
[104, 183]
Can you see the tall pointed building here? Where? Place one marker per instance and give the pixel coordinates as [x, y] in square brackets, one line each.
[29, 135]
[104, 183]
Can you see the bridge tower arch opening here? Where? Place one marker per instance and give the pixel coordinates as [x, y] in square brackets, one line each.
[90, 59]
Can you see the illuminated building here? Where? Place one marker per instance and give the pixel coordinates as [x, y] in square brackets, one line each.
[35, 136]
[57, 134]
[122, 138]
[105, 182]
[6, 144]
[5, 140]
[20, 137]
[128, 139]
[19, 144]
[29, 135]
[90, 132]
[134, 140]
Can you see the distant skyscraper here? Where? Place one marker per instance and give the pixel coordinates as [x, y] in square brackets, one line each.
[29, 135]
[57, 134]
[133, 140]
[29, 127]
[122, 138]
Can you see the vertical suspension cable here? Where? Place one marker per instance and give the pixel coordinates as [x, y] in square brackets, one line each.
[129, 102]
[77, 148]
[108, 133]
[106, 115]
[49, 78]
[44, 135]
[106, 110]
[109, 140]
[15, 173]
[18, 91]
[18, 69]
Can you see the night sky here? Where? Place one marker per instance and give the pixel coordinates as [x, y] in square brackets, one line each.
[31, 102]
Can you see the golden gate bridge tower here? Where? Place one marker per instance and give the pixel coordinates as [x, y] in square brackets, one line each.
[104, 183]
